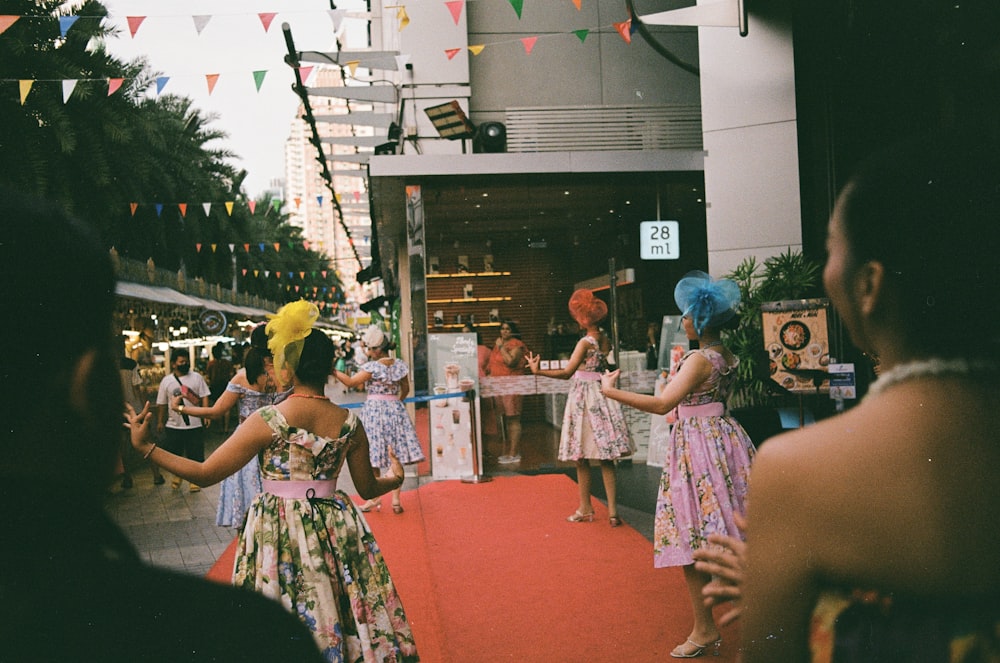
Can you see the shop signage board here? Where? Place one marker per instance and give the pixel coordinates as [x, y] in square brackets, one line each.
[797, 340]
[659, 240]
[453, 366]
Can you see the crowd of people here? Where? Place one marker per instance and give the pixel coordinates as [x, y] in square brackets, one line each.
[866, 536]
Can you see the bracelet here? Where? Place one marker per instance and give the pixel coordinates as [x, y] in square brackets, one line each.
[145, 456]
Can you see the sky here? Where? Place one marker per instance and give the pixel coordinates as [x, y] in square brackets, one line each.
[232, 44]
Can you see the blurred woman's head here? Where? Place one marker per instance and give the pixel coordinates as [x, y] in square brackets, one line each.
[315, 363]
[587, 309]
[256, 358]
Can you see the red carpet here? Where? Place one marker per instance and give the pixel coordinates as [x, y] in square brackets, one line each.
[493, 572]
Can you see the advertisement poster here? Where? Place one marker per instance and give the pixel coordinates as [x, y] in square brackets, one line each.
[452, 365]
[797, 340]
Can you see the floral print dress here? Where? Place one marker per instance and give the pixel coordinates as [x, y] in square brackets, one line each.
[386, 421]
[317, 556]
[705, 475]
[593, 425]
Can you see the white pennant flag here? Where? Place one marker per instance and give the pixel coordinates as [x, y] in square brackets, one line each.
[207, 207]
[68, 86]
[200, 22]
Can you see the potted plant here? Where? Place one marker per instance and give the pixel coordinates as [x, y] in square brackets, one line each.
[789, 275]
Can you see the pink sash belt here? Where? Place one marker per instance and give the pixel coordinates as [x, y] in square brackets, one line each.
[382, 397]
[706, 410]
[296, 490]
[586, 375]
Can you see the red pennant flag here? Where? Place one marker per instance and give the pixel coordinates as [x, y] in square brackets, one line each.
[452, 52]
[133, 23]
[114, 84]
[529, 43]
[6, 21]
[133, 207]
[211, 79]
[576, 3]
[198, 247]
[323, 273]
[304, 73]
[266, 18]
[246, 247]
[455, 7]
[305, 244]
[244, 271]
[252, 204]
[184, 209]
[625, 30]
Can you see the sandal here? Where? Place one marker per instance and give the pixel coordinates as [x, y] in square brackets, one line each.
[371, 504]
[578, 517]
[397, 508]
[698, 649]
[616, 521]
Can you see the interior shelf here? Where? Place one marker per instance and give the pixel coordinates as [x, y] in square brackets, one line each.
[465, 275]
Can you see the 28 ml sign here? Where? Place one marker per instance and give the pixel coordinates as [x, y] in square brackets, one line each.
[659, 240]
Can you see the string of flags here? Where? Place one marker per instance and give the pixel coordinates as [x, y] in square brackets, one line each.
[230, 205]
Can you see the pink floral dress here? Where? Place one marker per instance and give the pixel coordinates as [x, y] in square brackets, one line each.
[593, 425]
[706, 472]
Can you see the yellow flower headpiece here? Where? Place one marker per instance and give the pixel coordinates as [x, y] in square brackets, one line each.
[287, 331]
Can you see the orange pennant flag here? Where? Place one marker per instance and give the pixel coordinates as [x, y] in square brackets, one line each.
[298, 202]
[625, 30]
[452, 52]
[477, 49]
[266, 18]
[133, 24]
[114, 84]
[576, 3]
[455, 7]
[184, 209]
[246, 247]
[302, 275]
[252, 204]
[6, 21]
[133, 207]
[277, 247]
[25, 87]
[529, 43]
[211, 79]
[229, 207]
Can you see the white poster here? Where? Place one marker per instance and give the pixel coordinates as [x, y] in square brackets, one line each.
[453, 372]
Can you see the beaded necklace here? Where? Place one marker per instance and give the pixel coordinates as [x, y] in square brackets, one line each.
[316, 396]
[933, 367]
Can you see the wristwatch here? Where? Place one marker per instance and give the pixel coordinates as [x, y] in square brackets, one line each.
[180, 408]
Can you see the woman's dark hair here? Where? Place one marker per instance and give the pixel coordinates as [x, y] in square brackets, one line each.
[253, 360]
[315, 363]
[514, 331]
[218, 350]
[928, 211]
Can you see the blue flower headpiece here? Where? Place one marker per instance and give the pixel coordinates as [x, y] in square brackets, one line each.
[709, 303]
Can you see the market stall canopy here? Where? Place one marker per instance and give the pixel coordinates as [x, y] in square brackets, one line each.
[163, 295]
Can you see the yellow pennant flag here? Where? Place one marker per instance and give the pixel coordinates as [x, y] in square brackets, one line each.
[25, 86]
[404, 20]
[353, 66]
[229, 208]
[477, 49]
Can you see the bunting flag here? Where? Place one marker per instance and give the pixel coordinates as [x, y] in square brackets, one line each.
[455, 7]
[161, 82]
[477, 49]
[159, 209]
[25, 88]
[214, 246]
[304, 73]
[452, 52]
[207, 207]
[582, 34]
[246, 247]
[337, 18]
[401, 16]
[133, 24]
[319, 200]
[518, 5]
[211, 79]
[267, 273]
[266, 18]
[6, 21]
[277, 247]
[258, 78]
[305, 244]
[183, 208]
[276, 204]
[353, 66]
[577, 3]
[229, 208]
[261, 247]
[298, 202]
[625, 30]
[133, 207]
[67, 89]
[65, 23]
[232, 247]
[323, 273]
[252, 204]
[245, 271]
[198, 247]
[529, 43]
[114, 84]
[200, 22]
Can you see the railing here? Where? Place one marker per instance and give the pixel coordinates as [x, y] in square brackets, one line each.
[603, 128]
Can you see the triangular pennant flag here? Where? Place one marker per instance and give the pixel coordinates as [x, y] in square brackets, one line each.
[266, 18]
[452, 52]
[159, 209]
[258, 78]
[477, 49]
[256, 273]
[401, 62]
[25, 87]
[6, 21]
[455, 7]
[276, 204]
[529, 43]
[324, 276]
[133, 207]
[582, 34]
[65, 23]
[517, 5]
[232, 247]
[338, 197]
[200, 22]
[357, 196]
[302, 275]
[183, 208]
[67, 87]
[304, 73]
[624, 29]
[252, 204]
[291, 275]
[267, 272]
[198, 247]
[337, 17]
[401, 16]
[133, 23]
[161, 82]
[290, 245]
[277, 247]
[214, 246]
[245, 271]
[207, 207]
[114, 84]
[246, 247]
[576, 3]
[305, 244]
[261, 246]
[296, 288]
[353, 66]
[229, 207]
[298, 202]
[211, 79]
[319, 200]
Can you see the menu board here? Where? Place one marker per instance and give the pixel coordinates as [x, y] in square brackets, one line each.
[797, 340]
[453, 368]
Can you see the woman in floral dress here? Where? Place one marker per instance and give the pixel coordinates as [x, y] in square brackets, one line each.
[704, 481]
[593, 427]
[304, 543]
[384, 416]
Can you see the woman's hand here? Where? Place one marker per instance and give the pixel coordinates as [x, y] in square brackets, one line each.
[138, 424]
[609, 379]
[175, 403]
[725, 561]
[533, 361]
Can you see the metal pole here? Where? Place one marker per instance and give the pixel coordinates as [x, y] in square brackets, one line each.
[613, 281]
[477, 476]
